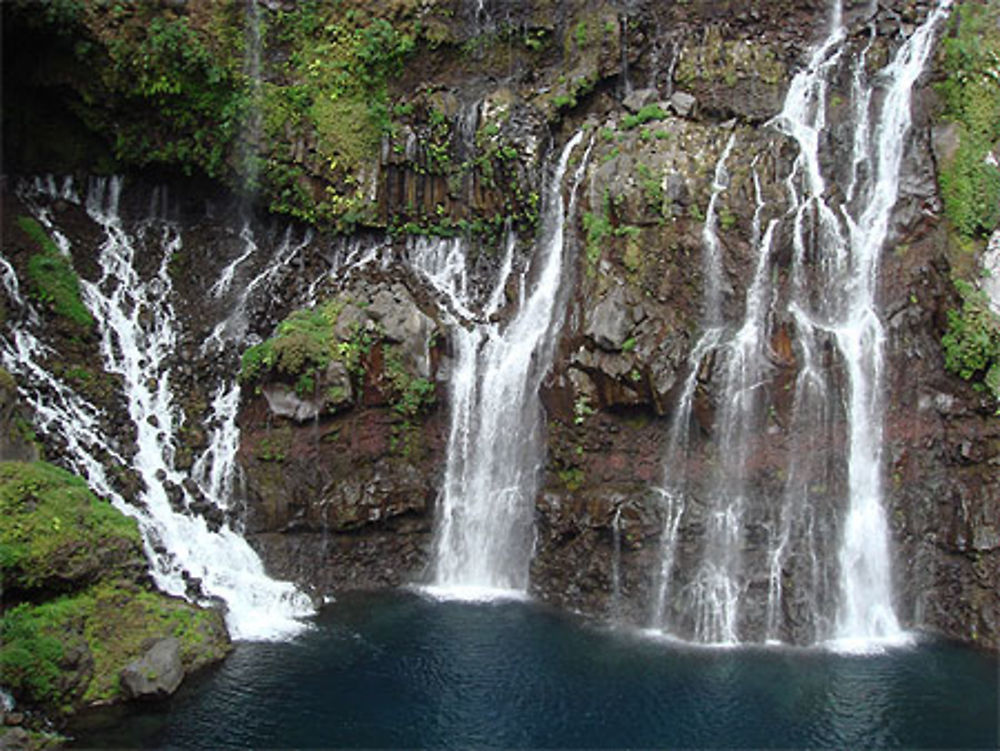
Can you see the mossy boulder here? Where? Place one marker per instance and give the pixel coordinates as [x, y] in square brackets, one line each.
[56, 536]
[372, 343]
[78, 603]
[69, 652]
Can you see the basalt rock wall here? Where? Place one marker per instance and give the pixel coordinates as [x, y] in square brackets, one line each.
[340, 474]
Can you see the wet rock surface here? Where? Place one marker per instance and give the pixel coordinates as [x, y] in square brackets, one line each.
[339, 487]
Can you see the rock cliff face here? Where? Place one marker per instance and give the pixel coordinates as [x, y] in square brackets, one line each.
[342, 442]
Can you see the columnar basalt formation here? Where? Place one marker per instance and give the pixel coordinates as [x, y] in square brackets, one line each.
[398, 128]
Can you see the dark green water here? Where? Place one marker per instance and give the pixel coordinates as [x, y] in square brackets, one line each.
[399, 670]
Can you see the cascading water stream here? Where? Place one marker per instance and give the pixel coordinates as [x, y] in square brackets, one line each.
[847, 314]
[827, 561]
[138, 333]
[485, 532]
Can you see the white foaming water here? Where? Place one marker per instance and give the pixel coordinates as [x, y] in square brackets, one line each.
[222, 284]
[712, 256]
[847, 312]
[837, 559]
[215, 470]
[674, 490]
[138, 332]
[233, 327]
[485, 532]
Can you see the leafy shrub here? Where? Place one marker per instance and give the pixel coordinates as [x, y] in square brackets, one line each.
[647, 114]
[972, 341]
[413, 394]
[598, 229]
[970, 185]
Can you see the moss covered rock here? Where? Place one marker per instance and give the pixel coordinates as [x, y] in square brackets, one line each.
[56, 536]
[69, 652]
[86, 606]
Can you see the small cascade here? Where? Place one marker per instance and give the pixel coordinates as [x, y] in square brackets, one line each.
[826, 560]
[626, 87]
[215, 470]
[712, 256]
[253, 122]
[675, 487]
[485, 532]
[232, 327]
[616, 563]
[138, 332]
[707, 604]
[225, 280]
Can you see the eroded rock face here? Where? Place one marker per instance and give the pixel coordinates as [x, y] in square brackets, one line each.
[340, 481]
[634, 317]
[340, 489]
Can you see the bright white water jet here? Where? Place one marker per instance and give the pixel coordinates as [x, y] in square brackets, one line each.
[485, 532]
[832, 549]
[138, 332]
[849, 242]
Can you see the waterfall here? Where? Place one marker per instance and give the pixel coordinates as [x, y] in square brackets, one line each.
[485, 531]
[708, 604]
[827, 559]
[138, 331]
[251, 135]
[847, 314]
[616, 563]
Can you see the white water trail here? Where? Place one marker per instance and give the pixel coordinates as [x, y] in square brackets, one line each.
[712, 256]
[138, 336]
[485, 529]
[616, 563]
[847, 311]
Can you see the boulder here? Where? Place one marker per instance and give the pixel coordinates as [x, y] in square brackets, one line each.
[156, 674]
[682, 103]
[284, 402]
[611, 320]
[639, 99]
[404, 323]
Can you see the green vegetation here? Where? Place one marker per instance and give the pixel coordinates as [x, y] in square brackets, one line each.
[29, 658]
[572, 478]
[971, 92]
[303, 345]
[53, 281]
[170, 68]
[79, 565]
[44, 645]
[582, 409]
[647, 114]
[598, 229]
[413, 395]
[56, 534]
[309, 340]
[972, 341]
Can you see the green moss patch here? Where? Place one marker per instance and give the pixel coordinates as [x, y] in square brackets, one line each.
[302, 345]
[55, 534]
[970, 185]
[53, 281]
[972, 342]
[68, 652]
